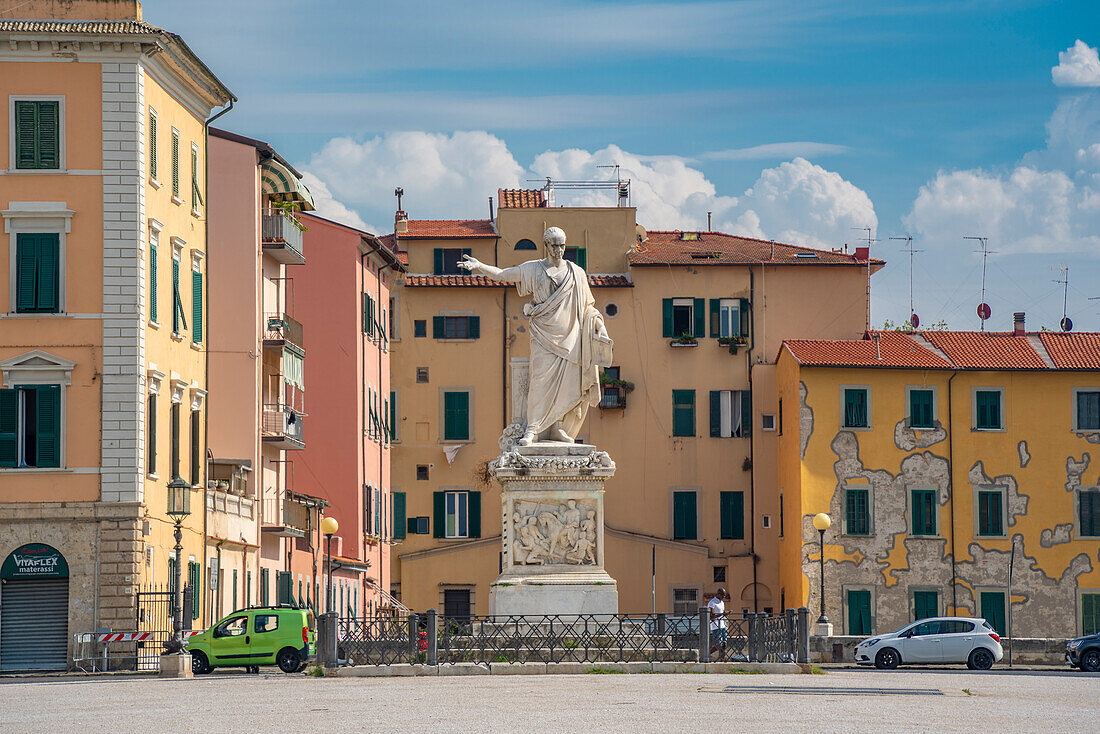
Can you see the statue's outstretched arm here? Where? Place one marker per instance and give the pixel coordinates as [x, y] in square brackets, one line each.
[476, 267]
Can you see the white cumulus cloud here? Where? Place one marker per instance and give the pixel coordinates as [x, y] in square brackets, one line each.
[329, 208]
[1078, 66]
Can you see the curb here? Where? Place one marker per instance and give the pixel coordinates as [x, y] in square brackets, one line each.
[405, 669]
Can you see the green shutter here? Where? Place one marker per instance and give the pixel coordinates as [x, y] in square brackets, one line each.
[857, 512]
[9, 426]
[666, 318]
[988, 404]
[151, 448]
[393, 416]
[475, 327]
[855, 408]
[582, 257]
[284, 588]
[193, 573]
[732, 513]
[1090, 614]
[924, 511]
[26, 264]
[196, 193]
[439, 513]
[49, 425]
[196, 448]
[37, 134]
[37, 273]
[990, 506]
[993, 610]
[49, 135]
[859, 612]
[26, 134]
[746, 413]
[700, 314]
[175, 164]
[47, 273]
[153, 284]
[715, 317]
[175, 427]
[176, 308]
[684, 519]
[925, 604]
[920, 409]
[716, 413]
[152, 146]
[683, 412]
[473, 512]
[746, 317]
[399, 521]
[438, 327]
[196, 307]
[456, 416]
[438, 269]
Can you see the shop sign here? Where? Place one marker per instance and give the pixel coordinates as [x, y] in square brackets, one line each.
[34, 560]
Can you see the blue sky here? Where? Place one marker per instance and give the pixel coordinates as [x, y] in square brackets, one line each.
[789, 120]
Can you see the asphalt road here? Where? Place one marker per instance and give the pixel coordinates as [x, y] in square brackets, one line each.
[838, 701]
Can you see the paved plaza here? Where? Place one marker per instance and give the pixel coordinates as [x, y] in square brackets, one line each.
[838, 701]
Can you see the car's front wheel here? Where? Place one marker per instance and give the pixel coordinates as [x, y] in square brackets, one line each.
[1090, 661]
[289, 660]
[887, 659]
[199, 663]
[980, 659]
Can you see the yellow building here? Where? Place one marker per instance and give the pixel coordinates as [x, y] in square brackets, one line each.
[103, 353]
[692, 504]
[943, 458]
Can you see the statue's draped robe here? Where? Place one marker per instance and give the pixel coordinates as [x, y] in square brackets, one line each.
[563, 323]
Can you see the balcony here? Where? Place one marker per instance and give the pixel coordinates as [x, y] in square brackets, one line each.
[612, 397]
[282, 427]
[284, 516]
[281, 329]
[281, 237]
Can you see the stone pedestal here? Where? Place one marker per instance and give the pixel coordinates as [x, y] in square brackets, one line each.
[176, 666]
[823, 629]
[552, 519]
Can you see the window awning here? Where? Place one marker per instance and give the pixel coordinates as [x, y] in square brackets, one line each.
[277, 181]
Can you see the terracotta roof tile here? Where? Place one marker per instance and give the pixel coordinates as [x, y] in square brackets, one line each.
[610, 281]
[521, 198]
[113, 27]
[480, 281]
[894, 349]
[1072, 351]
[993, 350]
[426, 229]
[719, 248]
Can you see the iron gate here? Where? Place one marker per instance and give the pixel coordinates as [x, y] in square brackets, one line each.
[154, 614]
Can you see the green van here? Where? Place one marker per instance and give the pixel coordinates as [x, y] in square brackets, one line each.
[283, 636]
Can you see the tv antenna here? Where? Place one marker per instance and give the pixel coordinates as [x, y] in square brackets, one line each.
[1066, 324]
[870, 239]
[984, 312]
[914, 320]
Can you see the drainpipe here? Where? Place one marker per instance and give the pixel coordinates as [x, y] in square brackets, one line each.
[951, 490]
[752, 437]
[381, 449]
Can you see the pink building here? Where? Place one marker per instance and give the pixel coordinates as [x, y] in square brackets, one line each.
[343, 298]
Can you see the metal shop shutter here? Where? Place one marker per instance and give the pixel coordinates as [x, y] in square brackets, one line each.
[34, 624]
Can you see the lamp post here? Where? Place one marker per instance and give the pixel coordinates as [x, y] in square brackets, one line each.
[179, 507]
[822, 522]
[329, 526]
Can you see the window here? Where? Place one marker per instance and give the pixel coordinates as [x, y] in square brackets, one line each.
[1086, 409]
[922, 410]
[30, 426]
[732, 511]
[394, 434]
[611, 310]
[991, 512]
[857, 511]
[611, 395]
[526, 245]
[196, 306]
[924, 510]
[152, 139]
[685, 602]
[1090, 614]
[398, 520]
[856, 407]
[578, 255]
[683, 316]
[421, 374]
[685, 521]
[926, 603]
[368, 315]
[729, 317]
[456, 327]
[730, 414]
[767, 421]
[447, 260]
[456, 415]
[1088, 512]
[417, 525]
[175, 427]
[196, 448]
[151, 436]
[194, 579]
[858, 602]
[988, 415]
[420, 327]
[154, 244]
[683, 412]
[993, 610]
[179, 321]
[38, 267]
[196, 194]
[38, 134]
[175, 164]
[457, 514]
[422, 472]
[719, 574]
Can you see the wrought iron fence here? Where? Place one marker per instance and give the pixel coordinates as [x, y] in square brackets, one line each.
[577, 638]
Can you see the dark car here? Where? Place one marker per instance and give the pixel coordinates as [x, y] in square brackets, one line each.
[1084, 652]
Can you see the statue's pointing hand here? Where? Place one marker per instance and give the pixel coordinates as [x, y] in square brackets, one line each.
[470, 263]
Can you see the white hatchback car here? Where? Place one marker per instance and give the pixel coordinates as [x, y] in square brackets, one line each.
[935, 640]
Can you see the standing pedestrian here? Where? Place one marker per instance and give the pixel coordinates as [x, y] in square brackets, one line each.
[717, 606]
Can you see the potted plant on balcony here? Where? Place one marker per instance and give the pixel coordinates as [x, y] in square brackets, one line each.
[686, 339]
[732, 342]
[289, 210]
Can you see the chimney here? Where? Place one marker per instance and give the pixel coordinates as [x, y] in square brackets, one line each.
[1018, 324]
[400, 222]
[878, 348]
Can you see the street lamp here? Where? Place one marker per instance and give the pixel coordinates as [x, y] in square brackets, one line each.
[329, 526]
[179, 507]
[822, 522]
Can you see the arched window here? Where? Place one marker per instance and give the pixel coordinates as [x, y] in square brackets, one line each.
[526, 245]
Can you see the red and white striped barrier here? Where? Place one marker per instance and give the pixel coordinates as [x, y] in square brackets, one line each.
[137, 636]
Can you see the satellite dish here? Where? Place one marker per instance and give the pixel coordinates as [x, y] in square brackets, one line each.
[914, 321]
[1066, 324]
[984, 312]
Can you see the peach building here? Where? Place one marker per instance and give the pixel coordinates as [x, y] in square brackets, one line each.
[103, 352]
[343, 298]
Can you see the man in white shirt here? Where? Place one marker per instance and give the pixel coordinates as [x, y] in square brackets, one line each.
[717, 607]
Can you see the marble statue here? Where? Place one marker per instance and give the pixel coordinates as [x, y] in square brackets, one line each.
[569, 341]
[553, 534]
